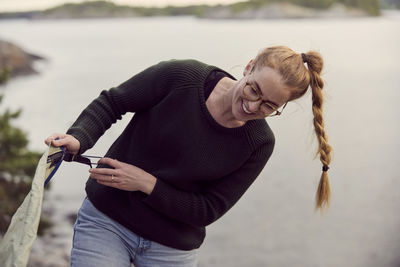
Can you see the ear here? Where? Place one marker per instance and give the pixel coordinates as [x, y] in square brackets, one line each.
[248, 67]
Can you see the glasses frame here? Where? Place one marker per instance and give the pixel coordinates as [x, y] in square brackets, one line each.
[275, 111]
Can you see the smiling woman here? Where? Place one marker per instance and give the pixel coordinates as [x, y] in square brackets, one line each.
[196, 143]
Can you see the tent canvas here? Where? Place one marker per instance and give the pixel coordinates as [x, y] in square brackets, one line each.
[17, 242]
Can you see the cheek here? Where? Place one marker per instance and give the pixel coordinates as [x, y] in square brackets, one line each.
[237, 96]
[236, 108]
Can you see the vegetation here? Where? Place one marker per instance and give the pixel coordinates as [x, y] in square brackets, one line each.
[5, 74]
[370, 6]
[109, 9]
[388, 4]
[90, 9]
[17, 168]
[318, 4]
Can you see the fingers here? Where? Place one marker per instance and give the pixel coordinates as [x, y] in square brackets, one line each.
[61, 142]
[111, 162]
[103, 172]
[68, 141]
[50, 140]
[104, 178]
[104, 175]
[115, 185]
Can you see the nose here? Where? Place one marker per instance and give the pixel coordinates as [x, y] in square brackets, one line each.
[254, 106]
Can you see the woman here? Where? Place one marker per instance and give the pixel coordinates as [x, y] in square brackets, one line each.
[196, 143]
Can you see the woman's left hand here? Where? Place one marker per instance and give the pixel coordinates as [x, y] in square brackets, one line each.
[124, 176]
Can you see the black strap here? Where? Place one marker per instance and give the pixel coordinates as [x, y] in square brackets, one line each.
[79, 158]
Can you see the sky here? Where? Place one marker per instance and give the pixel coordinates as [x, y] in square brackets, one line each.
[24, 5]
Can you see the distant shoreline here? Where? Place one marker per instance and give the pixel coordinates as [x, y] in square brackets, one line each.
[252, 9]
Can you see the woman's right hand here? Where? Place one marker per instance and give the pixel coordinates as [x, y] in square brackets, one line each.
[66, 140]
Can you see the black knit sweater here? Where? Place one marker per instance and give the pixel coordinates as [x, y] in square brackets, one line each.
[202, 168]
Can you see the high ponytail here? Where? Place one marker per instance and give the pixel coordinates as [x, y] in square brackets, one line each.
[300, 72]
[315, 64]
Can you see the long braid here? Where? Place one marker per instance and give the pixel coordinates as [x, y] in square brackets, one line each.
[315, 64]
[299, 78]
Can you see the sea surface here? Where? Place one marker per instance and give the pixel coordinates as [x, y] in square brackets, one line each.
[274, 224]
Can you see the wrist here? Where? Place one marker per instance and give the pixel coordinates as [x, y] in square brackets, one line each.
[149, 184]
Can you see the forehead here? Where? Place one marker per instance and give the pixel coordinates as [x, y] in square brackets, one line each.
[271, 84]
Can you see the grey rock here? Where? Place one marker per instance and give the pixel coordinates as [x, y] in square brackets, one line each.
[16, 59]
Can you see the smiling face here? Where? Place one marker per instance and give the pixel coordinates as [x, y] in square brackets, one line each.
[273, 92]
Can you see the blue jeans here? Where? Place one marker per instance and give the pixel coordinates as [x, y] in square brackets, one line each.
[100, 241]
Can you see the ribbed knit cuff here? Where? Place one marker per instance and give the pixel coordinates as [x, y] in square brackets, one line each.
[84, 140]
[158, 195]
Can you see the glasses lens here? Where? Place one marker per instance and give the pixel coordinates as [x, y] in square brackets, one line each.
[270, 111]
[250, 93]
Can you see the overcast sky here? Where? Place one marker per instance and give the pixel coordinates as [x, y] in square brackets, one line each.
[21, 5]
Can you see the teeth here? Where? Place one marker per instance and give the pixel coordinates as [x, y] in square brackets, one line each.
[245, 109]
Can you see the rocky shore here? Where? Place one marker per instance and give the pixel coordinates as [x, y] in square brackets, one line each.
[14, 61]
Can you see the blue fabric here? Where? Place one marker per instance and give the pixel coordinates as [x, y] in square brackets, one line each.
[100, 241]
[53, 168]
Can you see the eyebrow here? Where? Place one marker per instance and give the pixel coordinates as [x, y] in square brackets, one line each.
[258, 88]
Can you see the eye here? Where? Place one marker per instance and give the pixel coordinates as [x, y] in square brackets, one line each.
[253, 91]
[267, 106]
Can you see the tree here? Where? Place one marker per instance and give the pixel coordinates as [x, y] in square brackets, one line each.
[15, 158]
[17, 167]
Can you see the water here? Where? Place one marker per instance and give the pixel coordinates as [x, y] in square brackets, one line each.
[274, 223]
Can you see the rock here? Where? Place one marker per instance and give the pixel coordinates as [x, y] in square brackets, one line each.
[15, 60]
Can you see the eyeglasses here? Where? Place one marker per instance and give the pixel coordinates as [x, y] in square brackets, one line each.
[59, 154]
[251, 93]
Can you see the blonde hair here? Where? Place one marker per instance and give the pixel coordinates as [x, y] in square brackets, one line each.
[299, 78]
